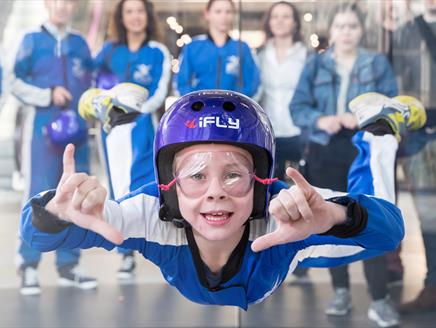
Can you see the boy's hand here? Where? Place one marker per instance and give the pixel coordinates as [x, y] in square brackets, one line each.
[299, 211]
[80, 199]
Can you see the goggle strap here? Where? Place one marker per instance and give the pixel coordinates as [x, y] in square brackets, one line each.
[166, 187]
[266, 181]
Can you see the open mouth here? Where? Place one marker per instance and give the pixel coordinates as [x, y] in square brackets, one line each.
[217, 218]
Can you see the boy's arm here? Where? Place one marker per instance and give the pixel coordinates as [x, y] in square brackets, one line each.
[301, 211]
[77, 215]
[382, 231]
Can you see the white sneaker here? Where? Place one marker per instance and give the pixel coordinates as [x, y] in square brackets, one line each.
[340, 304]
[17, 183]
[29, 282]
[72, 277]
[384, 313]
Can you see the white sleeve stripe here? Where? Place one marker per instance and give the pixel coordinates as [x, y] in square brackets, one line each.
[331, 251]
[383, 151]
[153, 103]
[29, 94]
[119, 154]
[328, 250]
[138, 217]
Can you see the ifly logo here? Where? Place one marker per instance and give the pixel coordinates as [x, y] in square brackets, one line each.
[218, 122]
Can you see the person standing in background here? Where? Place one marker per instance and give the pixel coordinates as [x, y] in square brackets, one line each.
[133, 54]
[215, 60]
[283, 52]
[320, 106]
[53, 67]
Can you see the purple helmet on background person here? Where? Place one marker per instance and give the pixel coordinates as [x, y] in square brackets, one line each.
[106, 80]
[214, 116]
[66, 128]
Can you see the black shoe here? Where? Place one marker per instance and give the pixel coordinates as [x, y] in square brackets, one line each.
[71, 276]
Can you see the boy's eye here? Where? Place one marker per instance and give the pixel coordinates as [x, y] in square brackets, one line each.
[231, 176]
[198, 176]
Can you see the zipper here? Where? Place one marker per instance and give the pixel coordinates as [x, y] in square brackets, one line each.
[218, 76]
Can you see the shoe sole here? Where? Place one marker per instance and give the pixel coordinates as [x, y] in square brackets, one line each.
[125, 275]
[339, 313]
[28, 291]
[85, 285]
[375, 317]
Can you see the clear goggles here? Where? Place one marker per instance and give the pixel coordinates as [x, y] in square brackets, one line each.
[195, 173]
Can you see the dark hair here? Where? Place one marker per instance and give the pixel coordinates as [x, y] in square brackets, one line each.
[344, 8]
[296, 35]
[210, 3]
[117, 31]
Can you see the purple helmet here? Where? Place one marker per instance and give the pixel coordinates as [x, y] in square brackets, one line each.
[66, 128]
[106, 80]
[214, 116]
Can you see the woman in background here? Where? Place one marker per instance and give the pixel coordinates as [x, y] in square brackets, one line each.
[283, 52]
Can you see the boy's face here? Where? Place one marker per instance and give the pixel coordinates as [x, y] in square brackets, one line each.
[215, 189]
[60, 11]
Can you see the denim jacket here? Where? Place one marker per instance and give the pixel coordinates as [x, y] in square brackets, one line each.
[318, 88]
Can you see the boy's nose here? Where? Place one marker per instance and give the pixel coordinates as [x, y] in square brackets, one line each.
[215, 190]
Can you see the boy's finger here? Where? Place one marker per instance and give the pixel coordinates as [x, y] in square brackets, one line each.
[266, 241]
[68, 160]
[93, 199]
[298, 179]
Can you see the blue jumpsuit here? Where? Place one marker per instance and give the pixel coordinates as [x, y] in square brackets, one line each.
[248, 277]
[46, 59]
[204, 65]
[128, 148]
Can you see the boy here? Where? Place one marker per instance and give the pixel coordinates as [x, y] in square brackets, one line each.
[214, 163]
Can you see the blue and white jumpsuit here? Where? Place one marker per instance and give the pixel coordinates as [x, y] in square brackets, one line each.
[376, 226]
[47, 58]
[204, 65]
[128, 148]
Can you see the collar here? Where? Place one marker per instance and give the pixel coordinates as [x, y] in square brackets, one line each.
[54, 31]
[232, 266]
[363, 59]
[297, 48]
[213, 41]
